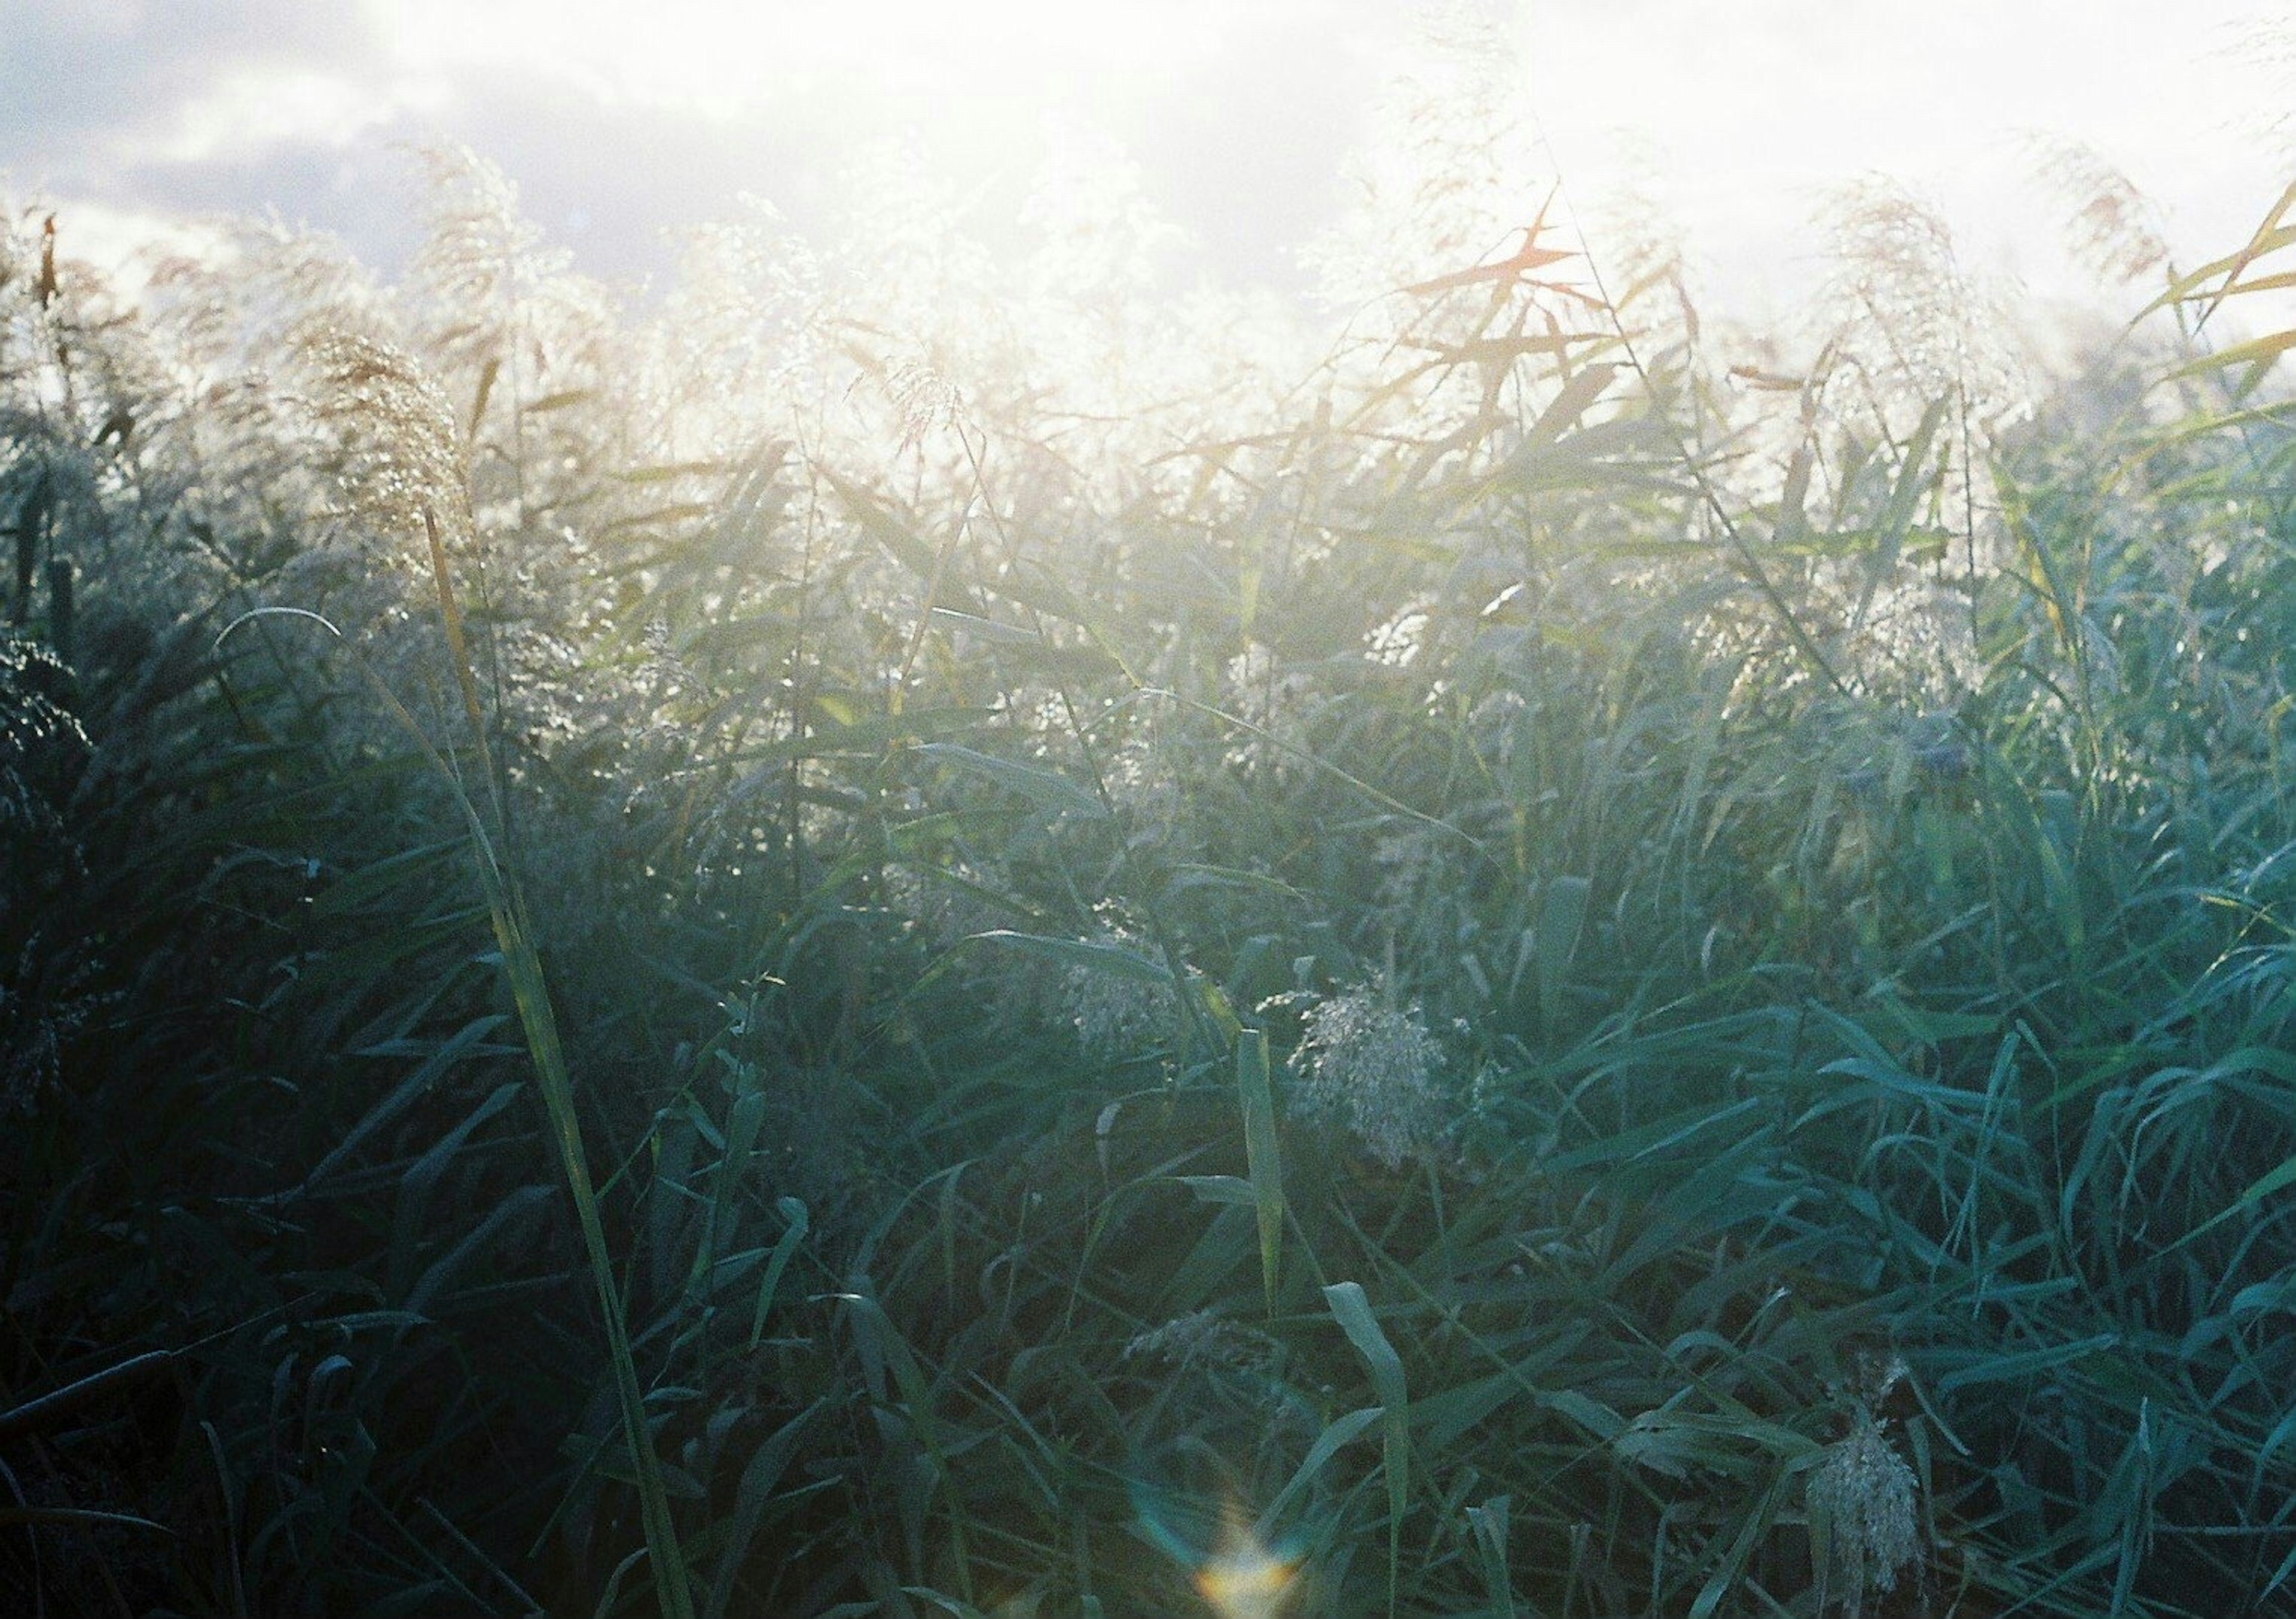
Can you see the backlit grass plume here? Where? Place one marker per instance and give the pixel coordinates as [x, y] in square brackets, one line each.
[1374, 1069]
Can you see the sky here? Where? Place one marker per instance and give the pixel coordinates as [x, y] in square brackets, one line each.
[620, 121]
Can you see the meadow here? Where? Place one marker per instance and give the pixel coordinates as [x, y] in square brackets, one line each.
[885, 935]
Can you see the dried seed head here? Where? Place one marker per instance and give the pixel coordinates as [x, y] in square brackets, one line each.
[45, 999]
[1865, 1490]
[927, 400]
[2112, 228]
[1116, 1016]
[1372, 1068]
[400, 454]
[1205, 1336]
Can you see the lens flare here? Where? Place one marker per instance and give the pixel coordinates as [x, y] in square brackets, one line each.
[1246, 1579]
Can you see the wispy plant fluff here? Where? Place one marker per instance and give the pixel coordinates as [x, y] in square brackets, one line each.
[1865, 1492]
[1909, 322]
[2114, 230]
[398, 456]
[1905, 334]
[40, 740]
[46, 999]
[1204, 1335]
[2261, 50]
[1115, 1014]
[1375, 1071]
[1452, 166]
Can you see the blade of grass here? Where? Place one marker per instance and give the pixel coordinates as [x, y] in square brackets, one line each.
[530, 992]
[1352, 1309]
[1263, 1155]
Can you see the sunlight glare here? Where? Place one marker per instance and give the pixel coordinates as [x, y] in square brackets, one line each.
[727, 58]
[1246, 1580]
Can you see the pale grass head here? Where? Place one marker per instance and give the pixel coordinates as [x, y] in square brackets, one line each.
[1116, 1016]
[744, 327]
[1455, 163]
[1204, 1337]
[46, 998]
[1867, 1493]
[399, 455]
[35, 730]
[1908, 322]
[2113, 229]
[1373, 1068]
[926, 402]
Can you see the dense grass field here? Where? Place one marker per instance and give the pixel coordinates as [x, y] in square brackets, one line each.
[884, 935]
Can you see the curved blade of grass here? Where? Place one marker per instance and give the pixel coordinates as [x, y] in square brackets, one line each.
[1048, 789]
[1341, 1432]
[80, 1518]
[34, 1416]
[1112, 958]
[1562, 915]
[881, 1341]
[1352, 1309]
[799, 1223]
[1262, 1154]
[529, 993]
[1488, 1522]
[765, 1467]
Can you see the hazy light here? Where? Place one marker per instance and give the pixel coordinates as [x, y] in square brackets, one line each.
[1753, 112]
[1734, 122]
[1246, 1580]
[248, 112]
[1248, 1583]
[731, 57]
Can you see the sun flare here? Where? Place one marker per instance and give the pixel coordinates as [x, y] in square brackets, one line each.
[729, 59]
[1246, 1579]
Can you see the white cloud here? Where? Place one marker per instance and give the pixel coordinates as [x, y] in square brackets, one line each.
[1763, 105]
[126, 242]
[729, 58]
[251, 110]
[641, 114]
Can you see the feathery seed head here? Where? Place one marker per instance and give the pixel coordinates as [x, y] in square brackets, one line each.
[1116, 1016]
[401, 454]
[1372, 1068]
[1203, 1335]
[1866, 1490]
[926, 400]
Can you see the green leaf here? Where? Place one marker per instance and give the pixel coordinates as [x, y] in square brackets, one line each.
[1489, 1523]
[794, 1233]
[987, 629]
[1342, 1431]
[2269, 237]
[1234, 1190]
[766, 1466]
[2258, 354]
[1048, 790]
[1352, 1309]
[1562, 912]
[1262, 1153]
[1093, 957]
[1588, 1412]
[882, 526]
[1913, 476]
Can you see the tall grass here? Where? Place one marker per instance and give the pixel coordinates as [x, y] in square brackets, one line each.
[1542, 961]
